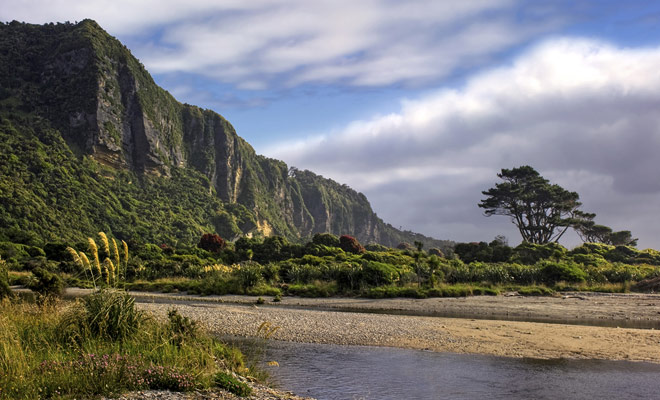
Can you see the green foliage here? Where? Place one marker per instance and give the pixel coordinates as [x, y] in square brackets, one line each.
[482, 251]
[312, 290]
[47, 284]
[552, 272]
[531, 253]
[182, 328]
[229, 383]
[44, 355]
[106, 314]
[394, 291]
[5, 290]
[249, 275]
[326, 239]
[376, 273]
[535, 291]
[419, 293]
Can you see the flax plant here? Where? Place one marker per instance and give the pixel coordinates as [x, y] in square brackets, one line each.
[81, 260]
[107, 271]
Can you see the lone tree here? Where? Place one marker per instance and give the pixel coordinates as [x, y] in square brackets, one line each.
[541, 211]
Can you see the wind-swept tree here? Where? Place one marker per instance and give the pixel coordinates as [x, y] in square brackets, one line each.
[541, 211]
[590, 232]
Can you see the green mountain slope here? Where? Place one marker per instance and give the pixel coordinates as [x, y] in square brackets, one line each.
[90, 142]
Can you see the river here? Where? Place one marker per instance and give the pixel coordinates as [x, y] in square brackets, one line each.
[359, 372]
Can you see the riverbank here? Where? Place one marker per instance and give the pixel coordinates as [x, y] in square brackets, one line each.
[310, 321]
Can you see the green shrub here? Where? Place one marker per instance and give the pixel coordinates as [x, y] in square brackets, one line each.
[375, 247]
[263, 290]
[312, 290]
[302, 273]
[530, 253]
[377, 273]
[226, 381]
[600, 249]
[553, 272]
[46, 284]
[181, 328]
[589, 259]
[450, 291]
[348, 276]
[484, 291]
[109, 314]
[5, 290]
[326, 239]
[13, 253]
[535, 291]
[249, 275]
[394, 291]
[524, 274]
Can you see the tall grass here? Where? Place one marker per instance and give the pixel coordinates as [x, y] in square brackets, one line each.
[102, 346]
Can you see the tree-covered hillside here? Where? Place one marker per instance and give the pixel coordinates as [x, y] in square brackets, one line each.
[90, 142]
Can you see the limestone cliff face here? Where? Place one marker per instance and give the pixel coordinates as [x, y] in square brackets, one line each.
[106, 105]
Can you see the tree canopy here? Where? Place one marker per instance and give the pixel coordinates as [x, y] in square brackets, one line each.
[541, 211]
[590, 232]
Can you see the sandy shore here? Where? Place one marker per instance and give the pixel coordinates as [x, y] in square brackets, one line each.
[481, 330]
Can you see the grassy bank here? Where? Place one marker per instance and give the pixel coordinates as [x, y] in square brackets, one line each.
[102, 345]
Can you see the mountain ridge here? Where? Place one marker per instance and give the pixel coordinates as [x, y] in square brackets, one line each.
[78, 82]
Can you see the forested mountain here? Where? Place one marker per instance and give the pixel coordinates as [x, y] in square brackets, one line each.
[89, 142]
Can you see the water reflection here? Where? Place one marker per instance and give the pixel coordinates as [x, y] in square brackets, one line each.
[357, 372]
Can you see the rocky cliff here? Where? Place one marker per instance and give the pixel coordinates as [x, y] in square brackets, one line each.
[81, 82]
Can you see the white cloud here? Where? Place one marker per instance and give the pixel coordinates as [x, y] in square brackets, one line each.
[261, 44]
[584, 113]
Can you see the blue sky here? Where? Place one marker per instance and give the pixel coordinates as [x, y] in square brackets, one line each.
[418, 104]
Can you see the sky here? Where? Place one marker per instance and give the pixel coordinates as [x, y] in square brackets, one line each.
[419, 104]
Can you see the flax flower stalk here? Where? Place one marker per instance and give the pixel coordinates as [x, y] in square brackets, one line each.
[125, 248]
[88, 266]
[95, 253]
[115, 256]
[105, 244]
[76, 257]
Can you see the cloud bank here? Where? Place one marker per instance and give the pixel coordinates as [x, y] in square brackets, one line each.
[584, 113]
[264, 44]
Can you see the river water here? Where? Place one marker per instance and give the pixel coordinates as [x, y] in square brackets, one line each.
[359, 372]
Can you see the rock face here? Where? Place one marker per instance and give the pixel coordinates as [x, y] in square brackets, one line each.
[107, 106]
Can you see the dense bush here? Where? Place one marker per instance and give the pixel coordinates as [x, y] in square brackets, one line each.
[326, 239]
[350, 245]
[436, 252]
[211, 242]
[553, 272]
[249, 275]
[377, 274]
[495, 251]
[107, 314]
[228, 382]
[530, 253]
[47, 284]
[5, 290]
[376, 247]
